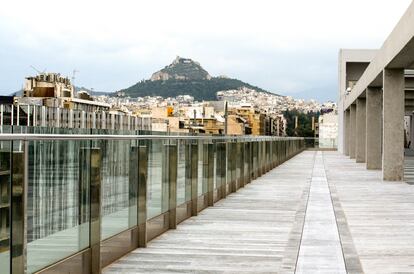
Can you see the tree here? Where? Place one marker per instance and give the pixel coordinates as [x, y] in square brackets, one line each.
[304, 128]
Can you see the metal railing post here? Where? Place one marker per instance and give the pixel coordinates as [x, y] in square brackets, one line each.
[233, 164]
[83, 195]
[241, 158]
[172, 185]
[268, 156]
[187, 163]
[210, 175]
[133, 185]
[223, 169]
[254, 160]
[194, 178]
[19, 189]
[205, 168]
[95, 198]
[142, 195]
[260, 158]
[264, 145]
[248, 160]
[228, 167]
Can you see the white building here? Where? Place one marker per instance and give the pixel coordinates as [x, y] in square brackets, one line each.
[328, 129]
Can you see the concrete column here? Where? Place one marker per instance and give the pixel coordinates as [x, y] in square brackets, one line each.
[347, 131]
[352, 132]
[360, 130]
[374, 128]
[393, 125]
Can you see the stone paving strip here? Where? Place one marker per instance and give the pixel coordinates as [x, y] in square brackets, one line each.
[320, 248]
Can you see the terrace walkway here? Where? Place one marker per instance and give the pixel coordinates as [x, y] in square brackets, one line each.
[319, 212]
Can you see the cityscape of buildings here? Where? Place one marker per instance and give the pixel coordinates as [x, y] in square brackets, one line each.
[243, 111]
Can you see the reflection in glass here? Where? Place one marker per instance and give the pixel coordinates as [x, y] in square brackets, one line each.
[157, 184]
[57, 202]
[181, 172]
[116, 206]
[200, 166]
[238, 162]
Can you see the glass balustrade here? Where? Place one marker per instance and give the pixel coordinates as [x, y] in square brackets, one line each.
[57, 199]
[65, 183]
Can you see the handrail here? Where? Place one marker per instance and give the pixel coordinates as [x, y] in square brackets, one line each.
[38, 137]
[110, 180]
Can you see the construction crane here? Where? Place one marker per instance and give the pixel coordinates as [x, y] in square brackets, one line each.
[38, 71]
[73, 76]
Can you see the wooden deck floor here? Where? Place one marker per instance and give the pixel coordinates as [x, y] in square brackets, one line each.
[286, 220]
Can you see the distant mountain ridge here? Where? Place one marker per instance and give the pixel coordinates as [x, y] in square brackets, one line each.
[184, 77]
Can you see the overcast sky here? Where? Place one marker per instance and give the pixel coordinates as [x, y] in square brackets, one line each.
[288, 47]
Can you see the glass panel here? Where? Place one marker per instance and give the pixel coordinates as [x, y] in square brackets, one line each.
[200, 167]
[5, 176]
[58, 200]
[188, 181]
[228, 171]
[255, 154]
[115, 188]
[205, 168]
[157, 189]
[238, 162]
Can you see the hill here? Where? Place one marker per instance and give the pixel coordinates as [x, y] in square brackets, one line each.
[199, 89]
[181, 69]
[184, 76]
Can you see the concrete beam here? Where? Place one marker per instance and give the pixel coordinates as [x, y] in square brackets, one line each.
[393, 125]
[373, 128]
[352, 132]
[396, 52]
[360, 130]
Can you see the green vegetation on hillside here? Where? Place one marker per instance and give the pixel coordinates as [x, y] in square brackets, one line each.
[199, 89]
[189, 70]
